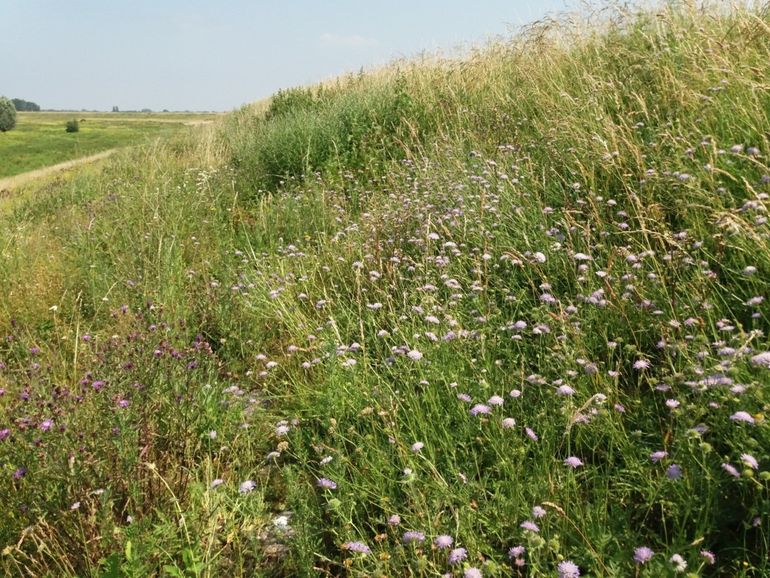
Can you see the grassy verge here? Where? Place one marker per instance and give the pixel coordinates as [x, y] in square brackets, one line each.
[518, 328]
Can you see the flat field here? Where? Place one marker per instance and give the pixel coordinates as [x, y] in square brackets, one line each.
[39, 139]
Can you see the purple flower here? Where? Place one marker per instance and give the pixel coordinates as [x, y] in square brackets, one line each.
[247, 486]
[709, 556]
[761, 359]
[568, 569]
[730, 469]
[643, 554]
[20, 473]
[4, 433]
[516, 551]
[495, 400]
[413, 536]
[674, 472]
[565, 390]
[641, 364]
[326, 484]
[750, 461]
[443, 541]
[394, 520]
[480, 409]
[531, 434]
[508, 423]
[573, 462]
[216, 483]
[417, 446]
[538, 512]
[472, 573]
[657, 456]
[457, 555]
[743, 416]
[414, 355]
[358, 547]
[530, 526]
[46, 425]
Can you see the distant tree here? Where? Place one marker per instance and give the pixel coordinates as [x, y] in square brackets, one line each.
[7, 114]
[115, 109]
[25, 105]
[72, 126]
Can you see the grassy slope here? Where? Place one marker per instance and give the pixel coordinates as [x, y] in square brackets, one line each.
[39, 139]
[575, 223]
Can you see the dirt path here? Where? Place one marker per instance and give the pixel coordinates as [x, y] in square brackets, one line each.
[10, 183]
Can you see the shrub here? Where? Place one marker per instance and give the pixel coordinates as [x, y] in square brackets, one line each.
[72, 126]
[7, 114]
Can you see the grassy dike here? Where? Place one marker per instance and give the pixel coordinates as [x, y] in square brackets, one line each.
[504, 316]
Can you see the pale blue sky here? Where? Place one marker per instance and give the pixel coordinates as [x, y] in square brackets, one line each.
[219, 54]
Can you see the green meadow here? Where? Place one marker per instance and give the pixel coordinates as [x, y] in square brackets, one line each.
[40, 140]
[503, 315]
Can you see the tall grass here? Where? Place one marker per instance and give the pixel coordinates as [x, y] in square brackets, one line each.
[505, 314]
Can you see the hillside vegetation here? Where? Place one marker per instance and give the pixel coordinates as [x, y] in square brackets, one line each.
[500, 316]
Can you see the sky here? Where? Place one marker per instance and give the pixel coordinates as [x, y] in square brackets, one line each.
[221, 54]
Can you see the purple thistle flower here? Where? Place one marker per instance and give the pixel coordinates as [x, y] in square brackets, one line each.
[326, 484]
[413, 536]
[573, 462]
[46, 425]
[443, 541]
[530, 526]
[457, 555]
[643, 554]
[568, 569]
[742, 416]
[358, 547]
[4, 433]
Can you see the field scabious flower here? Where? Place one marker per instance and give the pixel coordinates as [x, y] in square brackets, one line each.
[413, 536]
[568, 569]
[247, 486]
[358, 547]
[742, 416]
[573, 462]
[480, 409]
[443, 541]
[457, 555]
[326, 484]
[643, 554]
[530, 526]
[472, 573]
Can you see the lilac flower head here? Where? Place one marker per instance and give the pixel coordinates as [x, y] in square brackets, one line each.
[358, 547]
[761, 359]
[641, 364]
[472, 573]
[413, 536]
[643, 554]
[730, 469]
[417, 446]
[750, 461]
[394, 520]
[708, 555]
[530, 526]
[247, 486]
[674, 472]
[516, 551]
[508, 423]
[443, 541]
[457, 555]
[531, 434]
[480, 409]
[679, 563]
[414, 355]
[538, 512]
[216, 483]
[743, 416]
[573, 462]
[568, 569]
[657, 456]
[326, 484]
[565, 390]
[495, 400]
